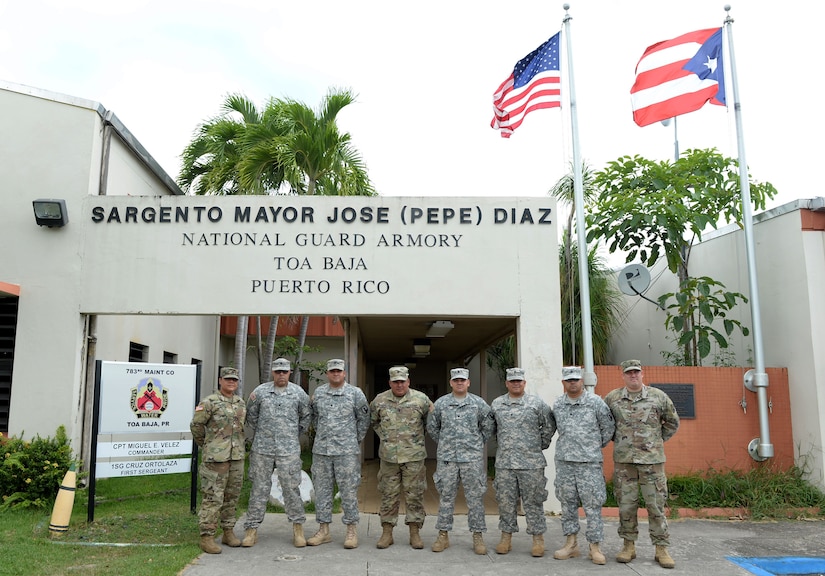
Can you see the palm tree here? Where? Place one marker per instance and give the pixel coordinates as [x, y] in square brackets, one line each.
[287, 148]
[605, 299]
[606, 304]
[212, 164]
[315, 157]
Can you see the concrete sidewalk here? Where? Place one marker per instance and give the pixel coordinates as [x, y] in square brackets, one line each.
[699, 547]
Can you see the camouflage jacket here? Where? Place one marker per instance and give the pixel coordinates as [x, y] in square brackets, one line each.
[217, 427]
[643, 425]
[585, 426]
[524, 427]
[277, 417]
[400, 424]
[461, 426]
[341, 417]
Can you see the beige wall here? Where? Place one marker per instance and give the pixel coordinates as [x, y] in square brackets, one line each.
[791, 280]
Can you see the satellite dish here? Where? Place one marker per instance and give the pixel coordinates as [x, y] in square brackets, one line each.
[634, 280]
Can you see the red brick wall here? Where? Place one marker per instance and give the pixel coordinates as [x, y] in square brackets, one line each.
[718, 437]
[287, 326]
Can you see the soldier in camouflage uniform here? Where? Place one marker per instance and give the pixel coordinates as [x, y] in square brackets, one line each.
[341, 417]
[217, 428]
[461, 423]
[524, 427]
[399, 416]
[645, 418]
[277, 414]
[585, 426]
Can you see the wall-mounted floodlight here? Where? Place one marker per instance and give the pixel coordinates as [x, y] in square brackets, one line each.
[51, 213]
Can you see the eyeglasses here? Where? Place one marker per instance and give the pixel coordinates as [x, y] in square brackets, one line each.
[281, 371]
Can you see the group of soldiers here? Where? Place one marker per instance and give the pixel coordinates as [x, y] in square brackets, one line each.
[637, 418]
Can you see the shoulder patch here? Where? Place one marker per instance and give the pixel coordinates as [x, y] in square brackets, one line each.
[199, 408]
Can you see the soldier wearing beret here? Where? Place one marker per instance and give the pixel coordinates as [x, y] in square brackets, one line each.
[585, 426]
[341, 417]
[399, 416]
[645, 418]
[524, 427]
[277, 414]
[218, 429]
[461, 423]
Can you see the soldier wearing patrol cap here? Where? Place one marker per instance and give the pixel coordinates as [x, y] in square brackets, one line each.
[399, 416]
[461, 423]
[585, 426]
[524, 427]
[218, 429]
[277, 414]
[341, 417]
[645, 419]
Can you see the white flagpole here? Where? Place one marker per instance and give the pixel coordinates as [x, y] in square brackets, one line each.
[760, 448]
[578, 199]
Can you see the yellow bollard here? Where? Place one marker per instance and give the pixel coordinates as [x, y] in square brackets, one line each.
[62, 511]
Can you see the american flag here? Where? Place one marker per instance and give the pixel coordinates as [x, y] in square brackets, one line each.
[535, 83]
[678, 76]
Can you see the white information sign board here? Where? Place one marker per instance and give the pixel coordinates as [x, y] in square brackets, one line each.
[144, 414]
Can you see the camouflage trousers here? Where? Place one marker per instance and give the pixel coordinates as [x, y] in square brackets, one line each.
[344, 470]
[411, 477]
[220, 489]
[473, 478]
[651, 479]
[527, 485]
[260, 471]
[581, 483]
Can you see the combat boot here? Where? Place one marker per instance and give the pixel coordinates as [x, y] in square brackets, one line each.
[415, 536]
[442, 542]
[209, 545]
[351, 540]
[321, 536]
[298, 539]
[250, 538]
[663, 558]
[229, 538]
[386, 538]
[569, 550]
[478, 544]
[538, 546]
[505, 544]
[628, 552]
[596, 555]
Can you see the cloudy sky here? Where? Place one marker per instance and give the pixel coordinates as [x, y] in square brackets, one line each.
[424, 73]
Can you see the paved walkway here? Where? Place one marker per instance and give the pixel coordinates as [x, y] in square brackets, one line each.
[699, 547]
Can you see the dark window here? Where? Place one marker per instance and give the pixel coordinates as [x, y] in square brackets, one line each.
[170, 357]
[8, 330]
[138, 352]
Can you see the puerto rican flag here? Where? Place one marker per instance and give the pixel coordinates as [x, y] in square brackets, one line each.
[678, 76]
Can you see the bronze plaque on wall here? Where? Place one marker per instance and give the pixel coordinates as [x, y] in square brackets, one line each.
[682, 397]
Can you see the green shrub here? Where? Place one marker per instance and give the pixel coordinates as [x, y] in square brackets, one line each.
[31, 470]
[764, 491]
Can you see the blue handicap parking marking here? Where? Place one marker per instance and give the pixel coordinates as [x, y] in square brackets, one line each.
[781, 565]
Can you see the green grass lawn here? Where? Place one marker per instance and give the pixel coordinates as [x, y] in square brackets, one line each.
[149, 514]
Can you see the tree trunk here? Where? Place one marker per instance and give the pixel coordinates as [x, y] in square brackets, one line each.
[240, 350]
[266, 372]
[302, 336]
